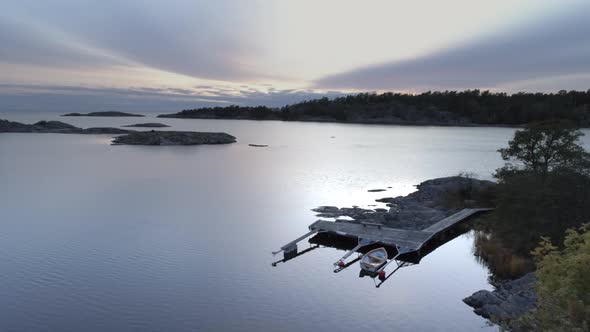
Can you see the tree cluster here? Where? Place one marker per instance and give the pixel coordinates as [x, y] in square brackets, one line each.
[544, 188]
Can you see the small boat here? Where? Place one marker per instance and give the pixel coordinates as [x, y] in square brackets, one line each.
[374, 259]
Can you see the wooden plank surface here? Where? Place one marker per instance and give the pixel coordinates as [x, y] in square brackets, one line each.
[453, 219]
[391, 236]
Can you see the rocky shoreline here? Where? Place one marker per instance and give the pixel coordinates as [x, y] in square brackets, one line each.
[507, 302]
[365, 121]
[434, 200]
[437, 199]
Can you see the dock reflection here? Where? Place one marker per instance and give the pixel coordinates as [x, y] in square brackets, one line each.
[397, 259]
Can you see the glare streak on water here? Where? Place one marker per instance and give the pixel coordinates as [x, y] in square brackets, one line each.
[97, 237]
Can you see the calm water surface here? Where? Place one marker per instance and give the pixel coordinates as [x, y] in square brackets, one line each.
[126, 238]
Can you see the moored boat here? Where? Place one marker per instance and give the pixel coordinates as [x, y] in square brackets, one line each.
[374, 259]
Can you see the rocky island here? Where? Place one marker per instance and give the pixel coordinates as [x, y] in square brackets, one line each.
[56, 127]
[173, 138]
[148, 125]
[107, 113]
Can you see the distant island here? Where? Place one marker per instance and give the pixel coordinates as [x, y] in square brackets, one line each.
[56, 127]
[450, 108]
[129, 137]
[148, 125]
[108, 113]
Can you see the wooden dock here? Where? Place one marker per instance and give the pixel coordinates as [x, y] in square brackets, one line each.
[404, 240]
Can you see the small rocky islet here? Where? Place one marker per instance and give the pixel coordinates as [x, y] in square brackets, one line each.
[173, 138]
[106, 114]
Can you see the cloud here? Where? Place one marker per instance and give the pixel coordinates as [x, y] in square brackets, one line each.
[193, 38]
[14, 97]
[555, 46]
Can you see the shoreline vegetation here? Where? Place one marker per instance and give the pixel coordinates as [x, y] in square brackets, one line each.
[535, 243]
[448, 108]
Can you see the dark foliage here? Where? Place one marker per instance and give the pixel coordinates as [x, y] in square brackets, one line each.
[548, 189]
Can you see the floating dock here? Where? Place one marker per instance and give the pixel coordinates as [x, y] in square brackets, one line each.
[368, 233]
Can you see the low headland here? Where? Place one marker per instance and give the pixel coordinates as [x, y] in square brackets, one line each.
[106, 114]
[448, 108]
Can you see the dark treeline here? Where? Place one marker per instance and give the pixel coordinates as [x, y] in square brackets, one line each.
[449, 107]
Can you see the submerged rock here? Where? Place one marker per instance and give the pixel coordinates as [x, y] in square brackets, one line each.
[148, 125]
[108, 113]
[507, 302]
[173, 138]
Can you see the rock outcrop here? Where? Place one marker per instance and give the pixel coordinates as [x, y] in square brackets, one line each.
[173, 138]
[108, 113]
[435, 200]
[508, 301]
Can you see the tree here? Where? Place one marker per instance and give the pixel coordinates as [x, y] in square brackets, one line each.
[543, 147]
[563, 287]
[544, 188]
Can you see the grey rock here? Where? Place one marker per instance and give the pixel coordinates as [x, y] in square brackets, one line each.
[507, 302]
[415, 211]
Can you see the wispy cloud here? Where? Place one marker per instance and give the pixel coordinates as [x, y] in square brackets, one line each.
[555, 46]
[194, 38]
[71, 98]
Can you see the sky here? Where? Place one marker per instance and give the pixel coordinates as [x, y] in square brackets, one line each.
[175, 54]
